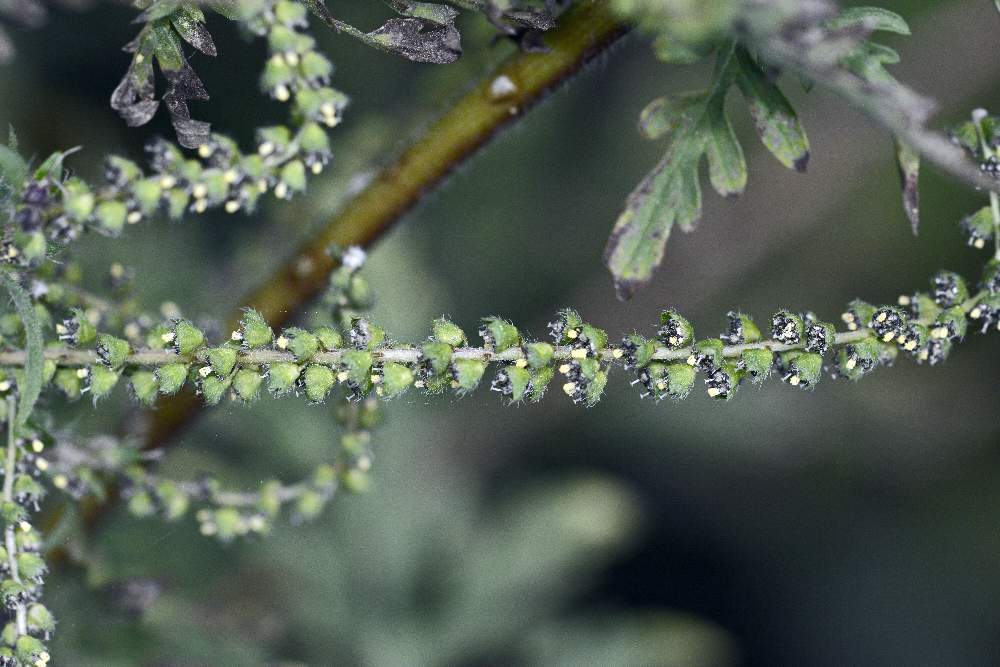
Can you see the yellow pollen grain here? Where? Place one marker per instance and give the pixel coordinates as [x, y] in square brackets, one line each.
[691, 361]
[794, 380]
[578, 354]
[564, 369]
[569, 388]
[714, 391]
[572, 334]
[881, 317]
[851, 363]
[521, 363]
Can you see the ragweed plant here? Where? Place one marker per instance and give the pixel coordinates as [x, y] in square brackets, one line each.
[59, 340]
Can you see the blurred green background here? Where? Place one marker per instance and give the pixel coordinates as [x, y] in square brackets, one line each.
[857, 524]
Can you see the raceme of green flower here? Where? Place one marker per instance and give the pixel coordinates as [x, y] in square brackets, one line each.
[364, 361]
[52, 207]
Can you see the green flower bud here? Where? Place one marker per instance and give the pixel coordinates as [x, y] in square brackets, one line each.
[466, 374]
[540, 380]
[27, 489]
[32, 246]
[887, 322]
[222, 360]
[979, 227]
[950, 324]
[329, 338]
[859, 314]
[78, 200]
[69, 382]
[355, 481]
[707, 355]
[292, 179]
[675, 331]
[315, 66]
[820, 337]
[313, 139]
[499, 334]
[310, 504]
[356, 368]
[757, 362]
[141, 505]
[246, 383]
[934, 351]
[177, 203]
[396, 378]
[172, 500]
[113, 352]
[31, 566]
[300, 342]
[447, 332]
[213, 388]
[187, 338]
[12, 514]
[229, 524]
[31, 651]
[290, 13]
[102, 381]
[147, 194]
[787, 328]
[949, 289]
[857, 359]
[171, 377]
[513, 381]
[635, 351]
[77, 330]
[802, 369]
[282, 376]
[270, 499]
[723, 381]
[566, 327]
[144, 386]
[110, 217]
[40, 620]
[364, 335]
[920, 305]
[49, 368]
[254, 332]
[592, 338]
[742, 330]
[538, 355]
[319, 380]
[435, 358]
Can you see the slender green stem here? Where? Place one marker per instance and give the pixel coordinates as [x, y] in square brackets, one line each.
[21, 614]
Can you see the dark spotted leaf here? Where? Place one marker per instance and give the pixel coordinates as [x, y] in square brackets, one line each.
[418, 40]
[190, 25]
[183, 85]
[909, 175]
[134, 97]
[158, 10]
[30, 383]
[778, 126]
